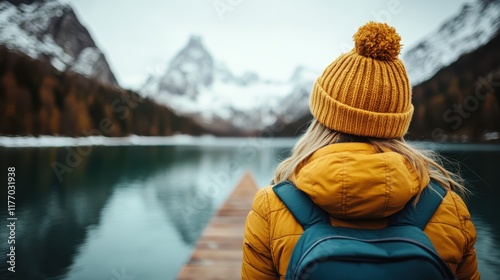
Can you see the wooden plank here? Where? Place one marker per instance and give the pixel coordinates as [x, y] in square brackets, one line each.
[218, 252]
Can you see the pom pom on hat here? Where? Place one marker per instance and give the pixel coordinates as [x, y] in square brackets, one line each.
[378, 41]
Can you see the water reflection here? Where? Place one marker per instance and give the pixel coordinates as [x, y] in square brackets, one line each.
[481, 169]
[51, 217]
[138, 211]
[133, 210]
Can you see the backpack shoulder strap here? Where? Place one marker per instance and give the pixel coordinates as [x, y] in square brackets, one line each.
[419, 215]
[303, 209]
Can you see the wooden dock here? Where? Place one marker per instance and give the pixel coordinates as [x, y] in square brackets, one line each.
[218, 253]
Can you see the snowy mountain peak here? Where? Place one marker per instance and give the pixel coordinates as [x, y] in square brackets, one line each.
[49, 30]
[475, 25]
[195, 41]
[196, 85]
[192, 65]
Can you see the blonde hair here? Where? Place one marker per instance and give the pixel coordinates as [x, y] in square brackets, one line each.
[318, 136]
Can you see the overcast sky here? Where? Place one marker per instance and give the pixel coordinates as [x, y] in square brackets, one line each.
[272, 38]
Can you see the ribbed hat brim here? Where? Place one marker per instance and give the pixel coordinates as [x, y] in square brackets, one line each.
[343, 118]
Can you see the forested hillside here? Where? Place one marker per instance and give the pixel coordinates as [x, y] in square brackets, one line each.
[462, 101]
[36, 99]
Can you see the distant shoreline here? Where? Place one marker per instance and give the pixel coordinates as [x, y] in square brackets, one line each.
[206, 140]
[135, 140]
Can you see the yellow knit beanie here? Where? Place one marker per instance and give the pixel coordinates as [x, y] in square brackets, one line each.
[366, 91]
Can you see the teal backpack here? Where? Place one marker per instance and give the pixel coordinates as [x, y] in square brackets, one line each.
[400, 251]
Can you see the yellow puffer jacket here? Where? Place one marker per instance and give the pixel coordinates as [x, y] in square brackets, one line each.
[358, 188]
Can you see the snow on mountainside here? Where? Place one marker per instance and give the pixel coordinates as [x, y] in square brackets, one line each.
[196, 85]
[475, 25]
[49, 30]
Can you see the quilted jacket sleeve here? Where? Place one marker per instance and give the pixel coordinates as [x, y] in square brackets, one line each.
[467, 268]
[257, 258]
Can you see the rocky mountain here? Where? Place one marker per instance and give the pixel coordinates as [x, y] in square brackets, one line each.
[49, 30]
[197, 85]
[474, 26]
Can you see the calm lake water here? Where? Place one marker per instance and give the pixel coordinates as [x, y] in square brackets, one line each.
[135, 212]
